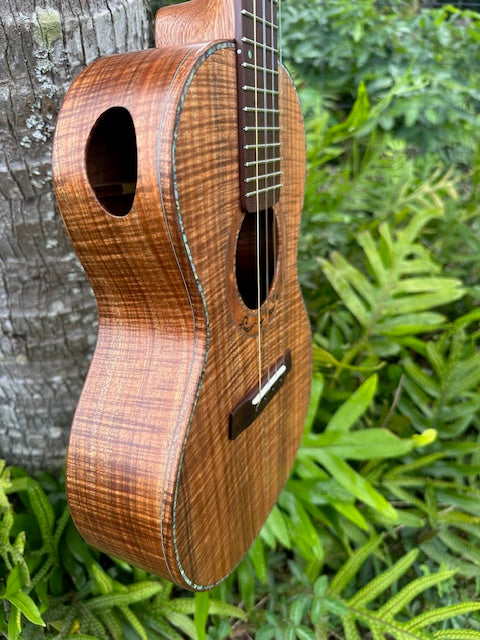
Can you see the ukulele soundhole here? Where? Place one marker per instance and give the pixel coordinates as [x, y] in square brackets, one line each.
[250, 254]
[111, 161]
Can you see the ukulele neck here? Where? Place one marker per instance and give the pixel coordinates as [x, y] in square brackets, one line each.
[256, 37]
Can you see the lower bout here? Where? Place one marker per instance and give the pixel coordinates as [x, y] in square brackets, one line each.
[227, 486]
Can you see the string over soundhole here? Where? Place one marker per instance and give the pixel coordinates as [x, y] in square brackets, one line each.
[246, 257]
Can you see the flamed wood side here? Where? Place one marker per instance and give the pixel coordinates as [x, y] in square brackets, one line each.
[151, 473]
[195, 21]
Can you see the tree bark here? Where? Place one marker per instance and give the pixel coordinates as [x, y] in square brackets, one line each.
[47, 310]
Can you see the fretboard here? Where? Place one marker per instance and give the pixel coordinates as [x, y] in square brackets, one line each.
[257, 76]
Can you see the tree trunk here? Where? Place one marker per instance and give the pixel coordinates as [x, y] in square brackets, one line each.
[47, 311]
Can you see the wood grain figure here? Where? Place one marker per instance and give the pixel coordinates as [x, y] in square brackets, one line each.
[152, 474]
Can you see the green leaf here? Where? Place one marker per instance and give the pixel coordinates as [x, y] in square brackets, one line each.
[163, 627]
[105, 583]
[427, 284]
[113, 625]
[315, 395]
[355, 278]
[350, 568]
[365, 240]
[323, 357]
[134, 593]
[400, 600]
[257, 556]
[410, 324]
[202, 605]
[277, 525]
[346, 293]
[350, 512]
[355, 483]
[456, 634]
[219, 608]
[134, 622]
[15, 581]
[296, 610]
[43, 511]
[27, 606]
[380, 583]
[356, 405]
[182, 622]
[363, 445]
[422, 301]
[440, 614]
[246, 584]
[14, 626]
[320, 586]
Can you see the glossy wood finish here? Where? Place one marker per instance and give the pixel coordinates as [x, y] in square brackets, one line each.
[238, 480]
[152, 475]
[195, 21]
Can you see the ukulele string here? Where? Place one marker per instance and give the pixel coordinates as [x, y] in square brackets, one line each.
[257, 197]
[280, 295]
[275, 137]
[266, 167]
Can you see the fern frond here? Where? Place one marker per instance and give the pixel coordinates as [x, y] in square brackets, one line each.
[444, 391]
[349, 298]
[348, 570]
[460, 546]
[161, 626]
[382, 582]
[183, 622]
[401, 287]
[456, 634]
[113, 625]
[419, 463]
[438, 553]
[90, 623]
[443, 613]
[350, 628]
[134, 593]
[134, 622]
[395, 629]
[400, 600]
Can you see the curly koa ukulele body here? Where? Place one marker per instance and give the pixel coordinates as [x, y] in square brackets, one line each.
[182, 197]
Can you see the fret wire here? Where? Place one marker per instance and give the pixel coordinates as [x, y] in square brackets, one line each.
[258, 19]
[247, 87]
[265, 176]
[247, 65]
[259, 53]
[259, 44]
[261, 128]
[260, 110]
[254, 162]
[263, 146]
[271, 188]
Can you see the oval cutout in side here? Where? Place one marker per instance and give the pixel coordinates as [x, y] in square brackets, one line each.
[111, 160]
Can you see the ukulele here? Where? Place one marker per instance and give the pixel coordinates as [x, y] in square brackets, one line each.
[179, 172]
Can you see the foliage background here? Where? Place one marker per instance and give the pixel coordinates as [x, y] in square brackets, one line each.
[377, 531]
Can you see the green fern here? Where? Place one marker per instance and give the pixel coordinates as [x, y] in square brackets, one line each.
[389, 620]
[443, 388]
[326, 487]
[397, 294]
